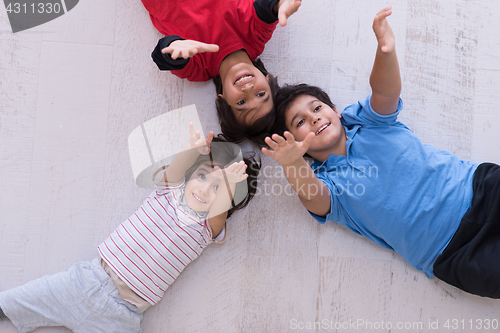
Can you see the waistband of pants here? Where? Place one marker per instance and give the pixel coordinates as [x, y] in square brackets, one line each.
[108, 284]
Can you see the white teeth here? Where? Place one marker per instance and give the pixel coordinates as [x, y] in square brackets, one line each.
[242, 78]
[198, 198]
[322, 128]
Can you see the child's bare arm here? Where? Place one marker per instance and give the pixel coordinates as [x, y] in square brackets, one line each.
[186, 158]
[313, 193]
[385, 78]
[186, 48]
[217, 215]
[285, 9]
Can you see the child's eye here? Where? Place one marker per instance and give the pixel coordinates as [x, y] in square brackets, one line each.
[216, 187]
[241, 102]
[316, 109]
[300, 122]
[262, 94]
[201, 176]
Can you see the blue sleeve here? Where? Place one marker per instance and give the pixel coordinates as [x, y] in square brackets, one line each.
[363, 114]
[165, 61]
[264, 10]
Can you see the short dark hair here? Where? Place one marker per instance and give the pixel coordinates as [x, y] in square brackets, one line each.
[232, 129]
[221, 154]
[286, 95]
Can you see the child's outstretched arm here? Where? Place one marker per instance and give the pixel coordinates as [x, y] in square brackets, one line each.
[231, 175]
[186, 158]
[313, 193]
[385, 78]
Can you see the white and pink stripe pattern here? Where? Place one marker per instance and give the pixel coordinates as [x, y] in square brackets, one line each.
[150, 249]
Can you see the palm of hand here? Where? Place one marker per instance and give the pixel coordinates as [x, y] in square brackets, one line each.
[235, 173]
[203, 147]
[287, 151]
[196, 140]
[383, 30]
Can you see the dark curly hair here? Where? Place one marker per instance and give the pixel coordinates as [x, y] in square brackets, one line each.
[223, 153]
[232, 129]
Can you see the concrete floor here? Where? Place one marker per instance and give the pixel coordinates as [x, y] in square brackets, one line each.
[72, 90]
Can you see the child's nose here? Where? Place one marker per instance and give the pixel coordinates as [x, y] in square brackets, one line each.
[204, 189]
[247, 86]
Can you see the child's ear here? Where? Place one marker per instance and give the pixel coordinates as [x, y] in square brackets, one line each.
[220, 95]
[268, 77]
[338, 113]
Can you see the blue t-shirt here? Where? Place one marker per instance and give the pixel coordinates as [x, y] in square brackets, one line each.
[392, 189]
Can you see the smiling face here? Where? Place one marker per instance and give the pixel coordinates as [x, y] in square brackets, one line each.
[201, 188]
[308, 114]
[247, 92]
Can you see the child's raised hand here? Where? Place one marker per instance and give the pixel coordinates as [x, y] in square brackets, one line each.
[235, 173]
[286, 150]
[198, 141]
[383, 30]
[187, 48]
[286, 8]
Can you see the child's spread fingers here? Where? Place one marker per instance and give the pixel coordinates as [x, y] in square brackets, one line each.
[192, 134]
[177, 54]
[216, 171]
[385, 12]
[380, 17]
[279, 140]
[232, 167]
[236, 172]
[267, 152]
[271, 143]
[289, 137]
[308, 140]
[240, 167]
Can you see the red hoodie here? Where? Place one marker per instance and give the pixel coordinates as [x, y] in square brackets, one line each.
[231, 24]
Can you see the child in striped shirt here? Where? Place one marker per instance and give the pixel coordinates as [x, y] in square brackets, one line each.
[203, 185]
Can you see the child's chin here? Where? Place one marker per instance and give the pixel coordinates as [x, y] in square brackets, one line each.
[201, 208]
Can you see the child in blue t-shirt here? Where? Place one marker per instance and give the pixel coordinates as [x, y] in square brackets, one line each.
[374, 176]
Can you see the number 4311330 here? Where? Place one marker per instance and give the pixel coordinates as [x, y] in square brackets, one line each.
[478, 324]
[39, 8]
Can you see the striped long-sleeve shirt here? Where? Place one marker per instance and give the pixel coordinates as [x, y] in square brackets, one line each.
[151, 248]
